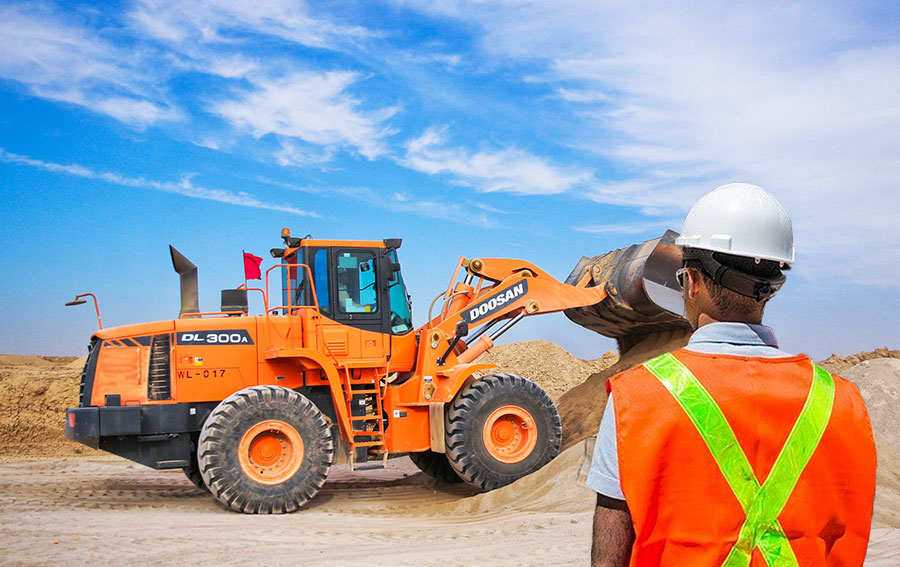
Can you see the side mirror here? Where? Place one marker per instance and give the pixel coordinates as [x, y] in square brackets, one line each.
[462, 329]
[387, 266]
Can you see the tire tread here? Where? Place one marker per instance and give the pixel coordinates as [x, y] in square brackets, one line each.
[224, 479]
[461, 429]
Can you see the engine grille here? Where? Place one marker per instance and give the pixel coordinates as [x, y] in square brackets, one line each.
[159, 379]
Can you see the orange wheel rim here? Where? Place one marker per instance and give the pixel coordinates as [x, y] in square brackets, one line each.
[510, 434]
[271, 452]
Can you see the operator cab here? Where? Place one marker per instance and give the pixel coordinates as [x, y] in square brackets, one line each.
[356, 283]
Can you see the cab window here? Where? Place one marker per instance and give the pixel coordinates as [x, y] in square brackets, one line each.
[320, 277]
[401, 319]
[356, 287]
[292, 283]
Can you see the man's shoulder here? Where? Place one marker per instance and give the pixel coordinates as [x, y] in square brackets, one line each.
[693, 358]
[637, 372]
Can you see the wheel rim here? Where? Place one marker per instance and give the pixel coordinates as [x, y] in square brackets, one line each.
[271, 452]
[510, 434]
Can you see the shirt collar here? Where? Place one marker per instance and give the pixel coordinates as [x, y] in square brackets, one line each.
[734, 333]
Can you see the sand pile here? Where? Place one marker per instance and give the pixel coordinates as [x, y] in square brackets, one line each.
[887, 486]
[558, 487]
[34, 394]
[879, 383]
[838, 364]
[581, 408]
[546, 364]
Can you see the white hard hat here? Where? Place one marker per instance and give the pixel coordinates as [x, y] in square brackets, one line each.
[740, 219]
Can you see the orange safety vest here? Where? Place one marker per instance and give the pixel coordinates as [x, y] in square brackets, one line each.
[686, 513]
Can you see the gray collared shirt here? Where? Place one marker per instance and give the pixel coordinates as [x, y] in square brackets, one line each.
[739, 339]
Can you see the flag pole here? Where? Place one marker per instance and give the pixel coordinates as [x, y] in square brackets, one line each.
[244, 263]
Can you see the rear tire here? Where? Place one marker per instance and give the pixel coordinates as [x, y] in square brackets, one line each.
[265, 450]
[193, 472]
[500, 428]
[436, 466]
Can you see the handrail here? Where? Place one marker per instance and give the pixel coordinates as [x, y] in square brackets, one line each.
[216, 313]
[290, 306]
[260, 290]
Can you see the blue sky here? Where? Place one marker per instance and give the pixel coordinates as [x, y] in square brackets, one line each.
[538, 130]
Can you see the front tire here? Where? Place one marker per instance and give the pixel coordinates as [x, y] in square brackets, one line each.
[500, 428]
[265, 450]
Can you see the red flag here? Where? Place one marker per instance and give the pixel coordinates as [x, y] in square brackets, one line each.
[251, 267]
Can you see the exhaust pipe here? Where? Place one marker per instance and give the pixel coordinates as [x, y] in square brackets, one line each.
[187, 271]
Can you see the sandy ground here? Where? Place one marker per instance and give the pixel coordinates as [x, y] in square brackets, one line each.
[64, 504]
[110, 512]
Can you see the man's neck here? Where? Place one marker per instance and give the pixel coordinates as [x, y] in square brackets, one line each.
[704, 319]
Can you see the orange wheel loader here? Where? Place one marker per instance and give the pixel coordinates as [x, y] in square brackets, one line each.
[256, 409]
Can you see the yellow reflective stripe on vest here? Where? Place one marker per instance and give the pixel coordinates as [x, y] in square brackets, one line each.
[761, 504]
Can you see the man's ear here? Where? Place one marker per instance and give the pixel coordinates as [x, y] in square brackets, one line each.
[695, 283]
[691, 279]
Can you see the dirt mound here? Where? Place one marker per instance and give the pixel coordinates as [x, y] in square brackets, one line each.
[878, 381]
[837, 364]
[36, 390]
[77, 364]
[581, 408]
[887, 486]
[558, 487]
[547, 364]
[34, 394]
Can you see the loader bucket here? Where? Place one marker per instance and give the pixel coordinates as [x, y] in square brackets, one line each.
[643, 300]
[642, 311]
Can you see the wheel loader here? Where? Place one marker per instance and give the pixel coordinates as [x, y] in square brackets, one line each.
[256, 409]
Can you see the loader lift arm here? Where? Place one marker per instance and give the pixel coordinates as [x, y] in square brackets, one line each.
[628, 294]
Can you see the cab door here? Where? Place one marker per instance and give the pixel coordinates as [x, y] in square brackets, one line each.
[357, 307]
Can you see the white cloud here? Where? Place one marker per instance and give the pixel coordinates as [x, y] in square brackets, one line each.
[404, 203]
[208, 143]
[227, 21]
[63, 61]
[510, 170]
[58, 57]
[310, 106]
[301, 155]
[799, 98]
[582, 95]
[441, 210]
[184, 187]
[446, 59]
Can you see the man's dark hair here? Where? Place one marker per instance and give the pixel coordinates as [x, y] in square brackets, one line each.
[731, 305]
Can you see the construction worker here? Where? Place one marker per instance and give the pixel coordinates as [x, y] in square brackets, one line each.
[730, 452]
